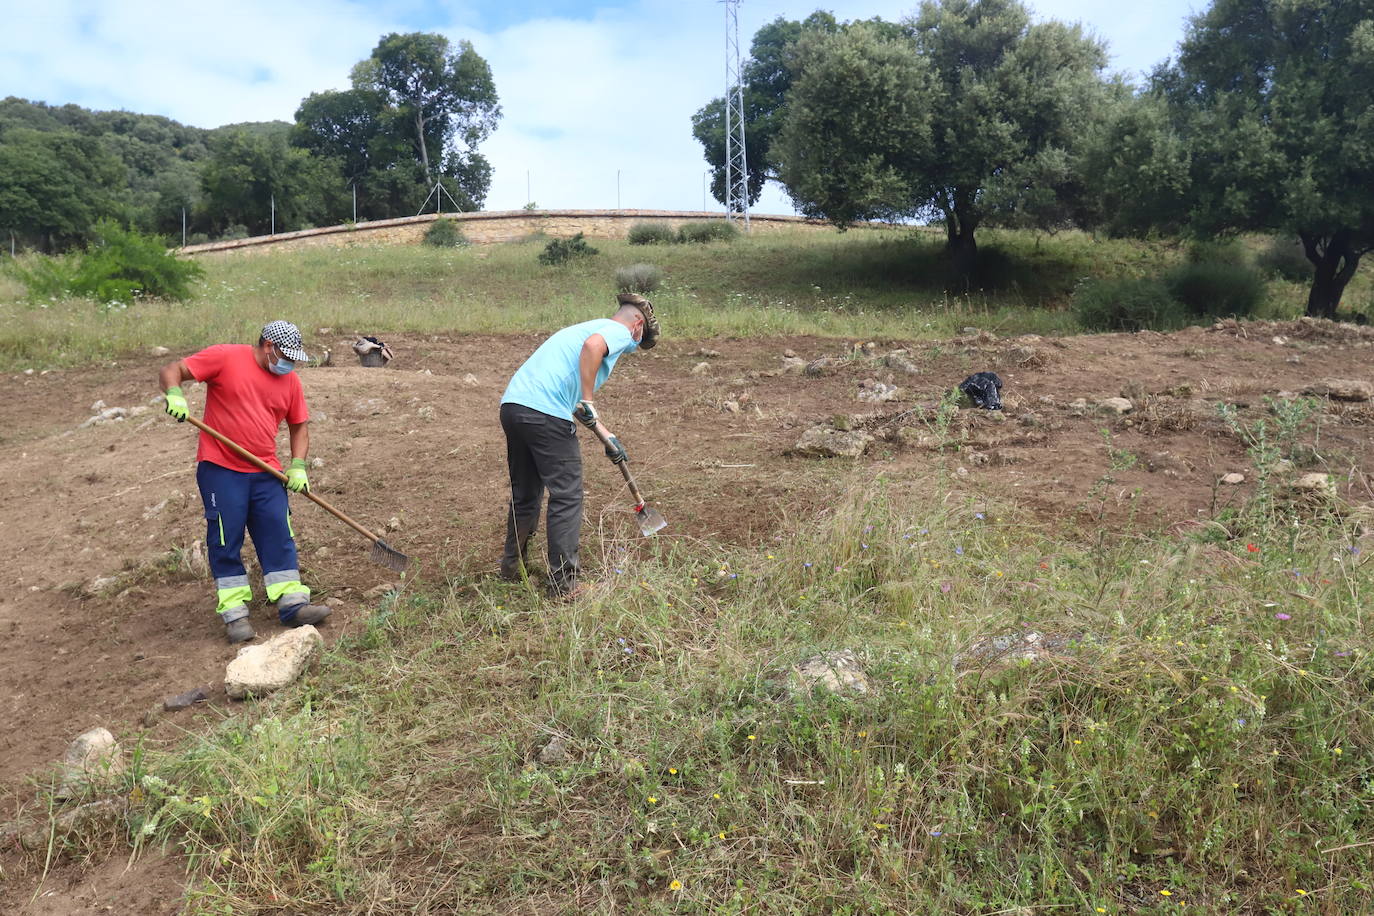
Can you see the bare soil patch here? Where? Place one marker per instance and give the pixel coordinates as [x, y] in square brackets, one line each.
[418, 444]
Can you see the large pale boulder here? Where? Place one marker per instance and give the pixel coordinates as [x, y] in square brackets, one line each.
[93, 754]
[1342, 389]
[826, 442]
[261, 669]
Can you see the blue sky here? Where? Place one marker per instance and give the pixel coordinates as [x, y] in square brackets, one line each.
[598, 96]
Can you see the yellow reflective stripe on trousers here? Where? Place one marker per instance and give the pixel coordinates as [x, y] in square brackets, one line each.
[284, 582]
[232, 597]
[220, 520]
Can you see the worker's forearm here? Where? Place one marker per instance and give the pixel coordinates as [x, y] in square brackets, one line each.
[300, 440]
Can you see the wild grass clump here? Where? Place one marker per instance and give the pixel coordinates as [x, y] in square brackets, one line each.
[718, 230]
[1284, 258]
[1050, 722]
[651, 233]
[639, 278]
[1127, 304]
[1216, 289]
[444, 233]
[562, 251]
[117, 268]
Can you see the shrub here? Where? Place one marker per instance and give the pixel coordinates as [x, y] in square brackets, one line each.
[119, 266]
[1127, 304]
[651, 234]
[1218, 251]
[1213, 289]
[638, 278]
[444, 233]
[561, 251]
[1285, 258]
[715, 231]
[232, 232]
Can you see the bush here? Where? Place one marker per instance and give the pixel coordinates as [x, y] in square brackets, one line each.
[1127, 304]
[444, 233]
[1212, 289]
[561, 251]
[638, 278]
[119, 266]
[651, 234]
[1219, 251]
[232, 232]
[1285, 258]
[714, 231]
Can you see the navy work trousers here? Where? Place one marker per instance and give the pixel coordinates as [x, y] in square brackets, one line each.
[542, 454]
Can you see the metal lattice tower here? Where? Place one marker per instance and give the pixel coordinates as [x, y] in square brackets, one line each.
[736, 169]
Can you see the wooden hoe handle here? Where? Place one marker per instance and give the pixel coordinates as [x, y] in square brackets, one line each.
[263, 465]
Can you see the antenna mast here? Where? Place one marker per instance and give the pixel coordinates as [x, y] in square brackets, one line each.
[736, 171]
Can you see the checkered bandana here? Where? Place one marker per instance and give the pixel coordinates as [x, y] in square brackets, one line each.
[287, 337]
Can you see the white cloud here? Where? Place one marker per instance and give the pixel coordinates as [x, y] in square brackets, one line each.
[613, 89]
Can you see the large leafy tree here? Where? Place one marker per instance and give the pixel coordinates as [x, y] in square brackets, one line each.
[1277, 100]
[54, 186]
[417, 111]
[1009, 105]
[249, 173]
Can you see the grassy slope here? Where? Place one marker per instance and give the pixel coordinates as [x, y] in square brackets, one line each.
[1188, 740]
[867, 283]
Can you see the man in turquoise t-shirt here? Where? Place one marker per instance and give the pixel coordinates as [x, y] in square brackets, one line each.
[551, 389]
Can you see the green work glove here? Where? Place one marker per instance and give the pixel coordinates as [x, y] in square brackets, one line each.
[615, 451]
[296, 480]
[176, 404]
[585, 412]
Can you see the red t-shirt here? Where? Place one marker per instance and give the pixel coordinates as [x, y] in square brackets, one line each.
[244, 402]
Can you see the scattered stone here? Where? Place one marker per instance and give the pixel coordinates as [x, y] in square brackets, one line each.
[707, 353]
[187, 699]
[730, 407]
[322, 553]
[828, 442]
[1233, 479]
[429, 372]
[825, 365]
[1341, 389]
[875, 392]
[1029, 357]
[913, 437]
[470, 380]
[317, 462]
[979, 459]
[1280, 340]
[93, 754]
[426, 413]
[101, 584]
[701, 369]
[555, 752]
[789, 353]
[324, 332]
[159, 351]
[1000, 651]
[98, 406]
[154, 510]
[261, 669]
[900, 362]
[1115, 405]
[838, 672]
[380, 591]
[393, 524]
[1315, 483]
[108, 415]
[792, 365]
[335, 603]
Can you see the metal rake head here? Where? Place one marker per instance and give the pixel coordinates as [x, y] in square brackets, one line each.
[388, 556]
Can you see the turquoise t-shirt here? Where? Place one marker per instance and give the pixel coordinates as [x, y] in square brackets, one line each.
[548, 381]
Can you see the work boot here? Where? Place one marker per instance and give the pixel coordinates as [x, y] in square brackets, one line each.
[308, 613]
[239, 630]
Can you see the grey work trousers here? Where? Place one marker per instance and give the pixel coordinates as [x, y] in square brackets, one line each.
[542, 454]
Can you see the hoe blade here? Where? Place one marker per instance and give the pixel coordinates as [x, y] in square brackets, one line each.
[651, 521]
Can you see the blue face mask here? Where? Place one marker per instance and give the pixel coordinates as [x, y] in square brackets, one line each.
[281, 367]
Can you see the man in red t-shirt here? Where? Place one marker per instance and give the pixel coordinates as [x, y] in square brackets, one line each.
[250, 390]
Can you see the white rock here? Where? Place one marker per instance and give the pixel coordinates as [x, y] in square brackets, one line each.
[827, 442]
[470, 380]
[317, 462]
[789, 353]
[791, 364]
[1115, 405]
[701, 369]
[393, 523]
[730, 407]
[159, 351]
[1315, 483]
[426, 413]
[1280, 340]
[837, 672]
[98, 406]
[261, 669]
[137, 410]
[380, 591]
[93, 754]
[101, 583]
[1233, 479]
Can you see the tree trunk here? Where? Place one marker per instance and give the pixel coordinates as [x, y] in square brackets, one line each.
[420, 139]
[1335, 262]
[959, 241]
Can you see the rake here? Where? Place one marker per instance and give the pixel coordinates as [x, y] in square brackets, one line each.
[382, 553]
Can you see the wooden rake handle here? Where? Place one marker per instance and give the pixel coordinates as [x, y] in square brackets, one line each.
[263, 465]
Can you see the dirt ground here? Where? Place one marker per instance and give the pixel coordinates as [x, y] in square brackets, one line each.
[106, 609]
